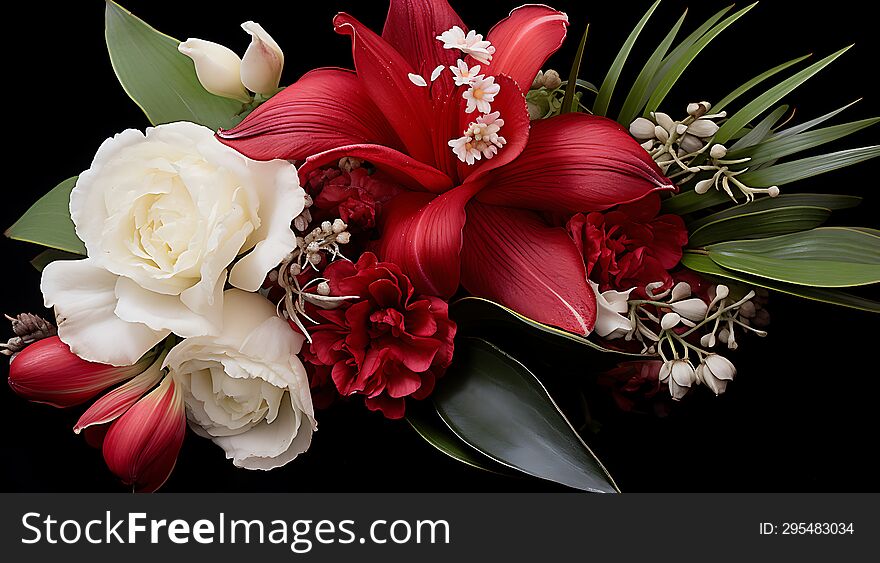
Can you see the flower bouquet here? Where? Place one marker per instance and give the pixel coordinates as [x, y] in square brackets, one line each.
[385, 235]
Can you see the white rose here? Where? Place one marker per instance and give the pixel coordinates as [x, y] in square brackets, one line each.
[163, 216]
[246, 389]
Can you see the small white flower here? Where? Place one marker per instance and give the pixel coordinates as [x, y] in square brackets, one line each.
[480, 139]
[471, 43]
[464, 75]
[465, 149]
[693, 309]
[481, 94]
[611, 308]
[417, 79]
[435, 74]
[716, 371]
[679, 375]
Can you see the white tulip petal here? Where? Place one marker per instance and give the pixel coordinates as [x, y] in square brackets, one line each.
[84, 298]
[262, 62]
[218, 68]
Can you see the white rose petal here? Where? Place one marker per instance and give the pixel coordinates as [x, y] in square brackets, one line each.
[163, 216]
[245, 388]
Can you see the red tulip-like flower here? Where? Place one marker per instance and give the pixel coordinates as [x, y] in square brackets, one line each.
[630, 246]
[387, 342]
[145, 432]
[476, 185]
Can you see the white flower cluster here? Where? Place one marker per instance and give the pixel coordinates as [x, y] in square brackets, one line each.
[676, 147]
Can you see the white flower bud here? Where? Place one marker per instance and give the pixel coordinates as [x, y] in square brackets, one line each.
[773, 191]
[262, 62]
[323, 288]
[762, 318]
[703, 128]
[718, 151]
[681, 128]
[716, 371]
[313, 247]
[315, 259]
[326, 227]
[690, 143]
[703, 186]
[664, 121]
[747, 310]
[698, 109]
[682, 290]
[538, 81]
[642, 128]
[679, 375]
[661, 133]
[349, 163]
[670, 321]
[552, 80]
[217, 68]
[708, 340]
[535, 111]
[339, 226]
[693, 309]
[648, 145]
[721, 291]
[343, 237]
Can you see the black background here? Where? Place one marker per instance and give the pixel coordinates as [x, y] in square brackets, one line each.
[801, 415]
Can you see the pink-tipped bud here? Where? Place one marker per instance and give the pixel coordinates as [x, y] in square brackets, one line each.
[141, 446]
[48, 372]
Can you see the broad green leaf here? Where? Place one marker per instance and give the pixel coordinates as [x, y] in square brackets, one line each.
[499, 407]
[833, 202]
[638, 93]
[760, 104]
[48, 223]
[780, 174]
[677, 69]
[481, 312]
[46, 257]
[603, 99]
[775, 148]
[726, 100]
[569, 100]
[427, 423]
[794, 130]
[759, 224]
[690, 201]
[760, 131]
[703, 264]
[161, 80]
[824, 257]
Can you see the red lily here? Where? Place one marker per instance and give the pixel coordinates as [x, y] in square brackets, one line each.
[480, 225]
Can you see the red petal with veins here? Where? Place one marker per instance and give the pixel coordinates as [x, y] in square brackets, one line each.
[141, 446]
[325, 109]
[48, 372]
[573, 163]
[384, 74]
[115, 403]
[511, 256]
[525, 40]
[400, 167]
[412, 27]
[422, 235]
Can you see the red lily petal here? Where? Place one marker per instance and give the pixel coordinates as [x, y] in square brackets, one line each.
[422, 235]
[511, 103]
[511, 256]
[325, 109]
[384, 73]
[573, 163]
[400, 167]
[412, 27]
[141, 446]
[115, 403]
[524, 41]
[48, 372]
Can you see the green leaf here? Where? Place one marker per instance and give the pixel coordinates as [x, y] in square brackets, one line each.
[677, 69]
[778, 147]
[476, 311]
[703, 264]
[496, 405]
[48, 223]
[690, 201]
[760, 104]
[794, 130]
[638, 93]
[834, 202]
[603, 99]
[824, 257]
[46, 257]
[726, 100]
[161, 80]
[760, 131]
[780, 174]
[759, 224]
[423, 417]
[569, 100]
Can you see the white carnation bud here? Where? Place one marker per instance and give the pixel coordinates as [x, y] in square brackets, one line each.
[642, 128]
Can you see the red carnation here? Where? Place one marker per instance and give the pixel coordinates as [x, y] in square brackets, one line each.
[387, 344]
[355, 197]
[630, 246]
